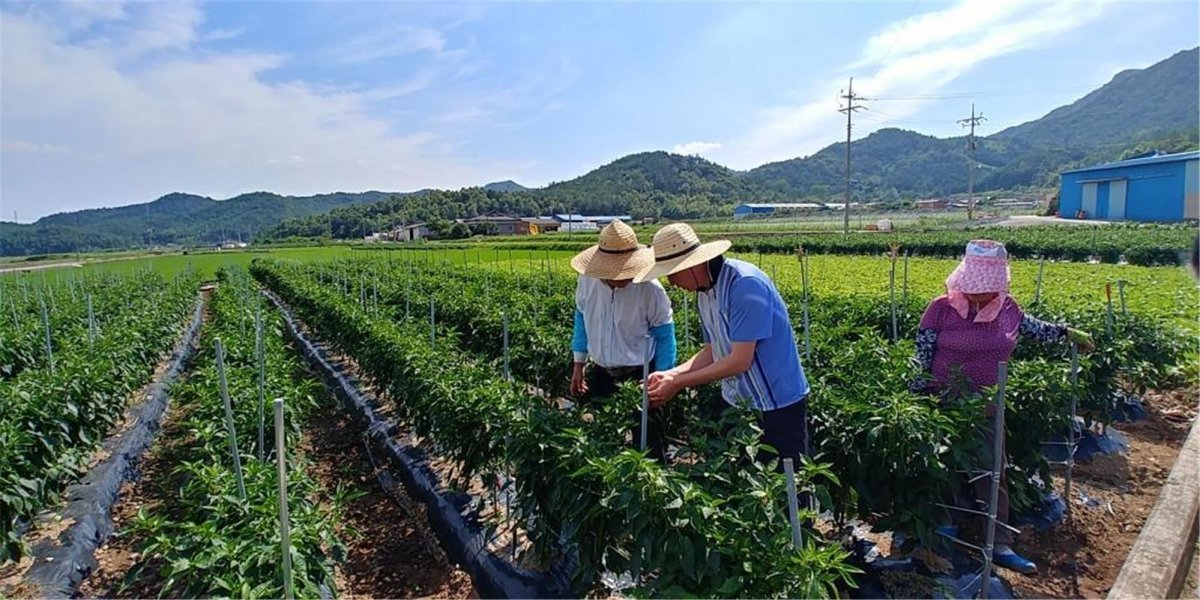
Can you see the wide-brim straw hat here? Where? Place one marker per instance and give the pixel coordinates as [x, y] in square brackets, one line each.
[676, 248]
[617, 256]
[984, 269]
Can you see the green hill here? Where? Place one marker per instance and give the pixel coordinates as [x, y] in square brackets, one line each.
[1139, 110]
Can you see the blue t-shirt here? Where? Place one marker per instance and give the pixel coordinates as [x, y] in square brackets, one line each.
[744, 306]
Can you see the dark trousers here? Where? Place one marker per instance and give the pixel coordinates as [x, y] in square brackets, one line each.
[602, 383]
[784, 429]
[983, 491]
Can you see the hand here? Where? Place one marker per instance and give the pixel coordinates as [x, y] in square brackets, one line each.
[579, 385]
[1081, 339]
[661, 386]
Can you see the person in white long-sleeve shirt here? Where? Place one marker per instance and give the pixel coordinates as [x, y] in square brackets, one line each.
[615, 320]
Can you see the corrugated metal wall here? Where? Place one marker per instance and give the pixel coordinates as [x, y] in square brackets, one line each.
[1153, 192]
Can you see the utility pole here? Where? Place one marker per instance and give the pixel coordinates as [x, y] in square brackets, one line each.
[849, 109]
[971, 122]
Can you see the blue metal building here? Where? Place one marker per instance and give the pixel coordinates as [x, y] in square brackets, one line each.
[1164, 187]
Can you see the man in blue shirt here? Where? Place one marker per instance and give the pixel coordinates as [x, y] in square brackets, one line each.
[750, 347]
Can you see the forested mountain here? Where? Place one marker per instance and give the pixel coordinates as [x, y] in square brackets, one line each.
[507, 185]
[171, 219]
[1140, 110]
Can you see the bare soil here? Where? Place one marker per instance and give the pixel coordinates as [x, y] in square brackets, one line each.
[1083, 559]
[392, 553]
[154, 493]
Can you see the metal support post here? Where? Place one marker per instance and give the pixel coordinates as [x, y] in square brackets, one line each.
[1037, 293]
[233, 449]
[285, 528]
[1108, 319]
[504, 326]
[645, 390]
[793, 503]
[49, 346]
[997, 471]
[1121, 292]
[1071, 429]
[91, 323]
[260, 352]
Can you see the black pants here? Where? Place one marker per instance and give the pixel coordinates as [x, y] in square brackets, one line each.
[602, 383]
[784, 429]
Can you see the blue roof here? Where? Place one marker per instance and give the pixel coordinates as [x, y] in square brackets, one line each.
[571, 217]
[1137, 162]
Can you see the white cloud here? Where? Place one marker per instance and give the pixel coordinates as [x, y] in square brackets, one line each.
[294, 159]
[217, 35]
[920, 58]
[388, 43]
[164, 25]
[15, 146]
[84, 125]
[696, 148]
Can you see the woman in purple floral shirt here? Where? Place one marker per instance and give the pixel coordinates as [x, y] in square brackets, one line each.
[965, 335]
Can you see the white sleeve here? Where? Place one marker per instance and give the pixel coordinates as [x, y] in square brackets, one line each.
[660, 313]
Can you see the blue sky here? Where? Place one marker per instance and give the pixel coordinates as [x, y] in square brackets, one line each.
[111, 103]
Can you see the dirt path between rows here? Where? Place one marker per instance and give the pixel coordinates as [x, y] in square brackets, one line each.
[1120, 490]
[392, 552]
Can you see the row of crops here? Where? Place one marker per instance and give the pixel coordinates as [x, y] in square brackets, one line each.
[71, 354]
[432, 335]
[219, 534]
[1135, 244]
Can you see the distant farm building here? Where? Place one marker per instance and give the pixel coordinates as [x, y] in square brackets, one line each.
[494, 224]
[603, 220]
[742, 211]
[410, 233]
[1163, 187]
[541, 224]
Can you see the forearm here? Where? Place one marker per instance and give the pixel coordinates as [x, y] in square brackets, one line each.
[713, 371]
[579, 342]
[1042, 331]
[701, 359]
[926, 346]
[664, 346]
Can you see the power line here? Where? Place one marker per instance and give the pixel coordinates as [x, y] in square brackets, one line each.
[850, 97]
